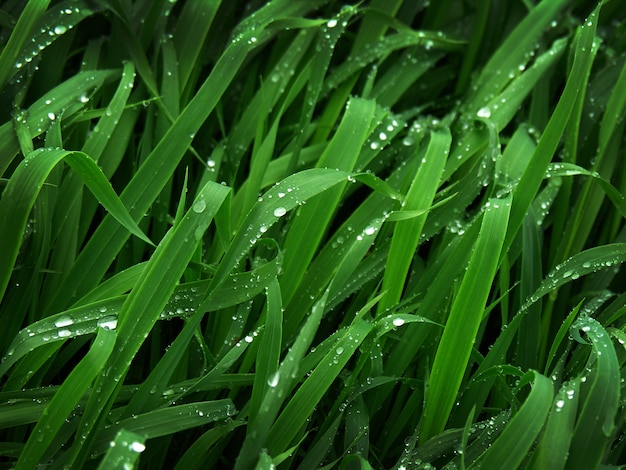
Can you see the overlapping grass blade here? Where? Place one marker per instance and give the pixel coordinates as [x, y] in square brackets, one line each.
[511, 447]
[141, 309]
[26, 182]
[465, 318]
[66, 398]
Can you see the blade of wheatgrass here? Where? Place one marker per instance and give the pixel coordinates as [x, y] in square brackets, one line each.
[268, 355]
[526, 189]
[407, 233]
[465, 318]
[599, 400]
[166, 421]
[143, 306]
[37, 117]
[511, 448]
[311, 223]
[554, 445]
[21, 34]
[22, 189]
[124, 451]
[513, 53]
[66, 398]
[280, 382]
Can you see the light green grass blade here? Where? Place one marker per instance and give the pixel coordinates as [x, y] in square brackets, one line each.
[280, 382]
[292, 192]
[124, 451]
[512, 446]
[268, 355]
[554, 445]
[465, 317]
[66, 398]
[308, 395]
[166, 421]
[33, 11]
[599, 398]
[513, 53]
[407, 233]
[143, 306]
[24, 186]
[527, 187]
[311, 223]
[46, 109]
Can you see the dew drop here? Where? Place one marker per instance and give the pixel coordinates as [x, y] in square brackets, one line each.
[273, 380]
[398, 322]
[63, 321]
[484, 112]
[279, 211]
[109, 322]
[199, 206]
[60, 29]
[332, 23]
[137, 447]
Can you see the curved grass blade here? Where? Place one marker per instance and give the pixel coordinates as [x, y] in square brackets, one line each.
[22, 189]
[599, 401]
[511, 448]
[530, 181]
[66, 398]
[41, 113]
[33, 11]
[143, 306]
[167, 421]
[555, 443]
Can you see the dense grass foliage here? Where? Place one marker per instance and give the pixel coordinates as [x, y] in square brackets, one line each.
[305, 233]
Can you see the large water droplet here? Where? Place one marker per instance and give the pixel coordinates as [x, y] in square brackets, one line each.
[63, 321]
[109, 322]
[199, 206]
[484, 112]
[279, 211]
[273, 379]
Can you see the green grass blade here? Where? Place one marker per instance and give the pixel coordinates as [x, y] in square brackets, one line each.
[512, 446]
[527, 187]
[66, 398]
[124, 451]
[33, 11]
[142, 308]
[407, 233]
[599, 398]
[24, 186]
[465, 317]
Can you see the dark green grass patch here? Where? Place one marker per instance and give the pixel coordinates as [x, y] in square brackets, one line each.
[312, 234]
